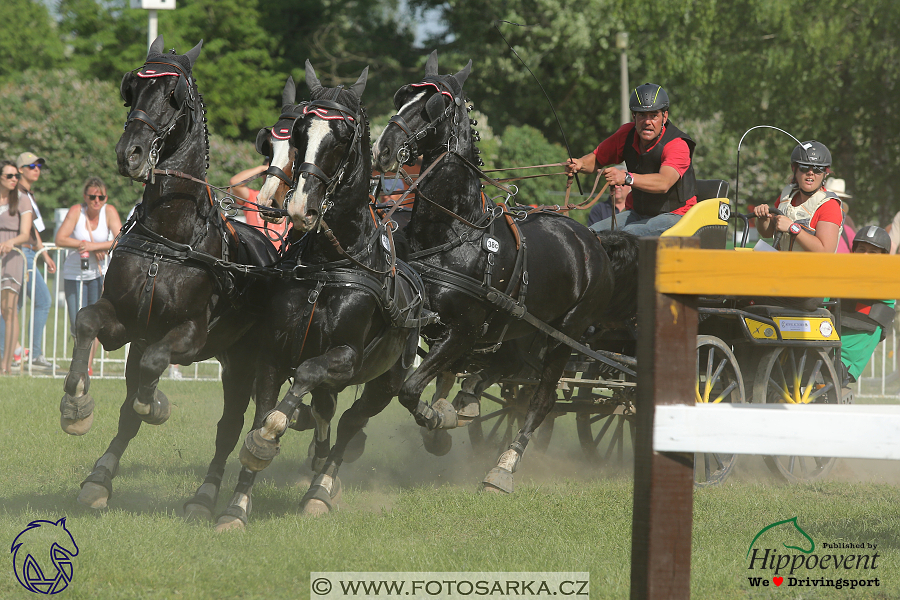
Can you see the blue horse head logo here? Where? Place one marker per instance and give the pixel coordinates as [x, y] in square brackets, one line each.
[42, 556]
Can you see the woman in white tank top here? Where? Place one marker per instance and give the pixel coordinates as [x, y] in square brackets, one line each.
[89, 230]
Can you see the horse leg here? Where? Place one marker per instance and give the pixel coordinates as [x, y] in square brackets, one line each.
[325, 489]
[77, 406]
[237, 382]
[96, 489]
[500, 479]
[439, 442]
[441, 414]
[237, 512]
[324, 405]
[335, 368]
[181, 344]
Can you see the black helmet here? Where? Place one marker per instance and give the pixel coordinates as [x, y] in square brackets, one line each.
[811, 154]
[874, 235]
[648, 97]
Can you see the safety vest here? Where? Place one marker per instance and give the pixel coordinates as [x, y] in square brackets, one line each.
[685, 188]
[803, 214]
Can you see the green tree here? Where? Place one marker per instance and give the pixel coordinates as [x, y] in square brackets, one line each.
[28, 38]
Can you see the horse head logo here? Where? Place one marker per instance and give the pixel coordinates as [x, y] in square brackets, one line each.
[788, 532]
[40, 545]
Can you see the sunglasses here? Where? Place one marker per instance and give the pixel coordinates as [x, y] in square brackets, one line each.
[817, 169]
[99, 197]
[35, 166]
[11, 176]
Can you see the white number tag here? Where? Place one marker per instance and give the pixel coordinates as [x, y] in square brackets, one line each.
[491, 244]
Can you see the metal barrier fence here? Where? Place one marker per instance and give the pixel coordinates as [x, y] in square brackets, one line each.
[58, 341]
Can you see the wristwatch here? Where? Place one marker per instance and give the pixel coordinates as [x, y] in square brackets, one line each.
[794, 229]
[629, 180]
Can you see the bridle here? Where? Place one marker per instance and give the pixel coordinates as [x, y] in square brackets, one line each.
[182, 97]
[324, 109]
[409, 149]
[281, 131]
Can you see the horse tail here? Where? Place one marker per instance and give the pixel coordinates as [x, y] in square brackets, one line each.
[622, 249]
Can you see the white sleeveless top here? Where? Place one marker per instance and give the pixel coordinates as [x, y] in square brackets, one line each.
[72, 268]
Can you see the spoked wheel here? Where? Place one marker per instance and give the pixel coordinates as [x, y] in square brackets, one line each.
[604, 436]
[718, 380]
[797, 376]
[502, 418]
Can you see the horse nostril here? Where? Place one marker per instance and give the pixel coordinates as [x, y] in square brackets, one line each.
[135, 155]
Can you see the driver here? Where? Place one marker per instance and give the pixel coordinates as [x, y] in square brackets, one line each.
[812, 215]
[657, 157]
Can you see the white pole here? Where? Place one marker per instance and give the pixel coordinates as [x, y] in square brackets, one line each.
[151, 27]
[622, 44]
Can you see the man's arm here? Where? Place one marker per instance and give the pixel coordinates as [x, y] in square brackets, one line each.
[242, 191]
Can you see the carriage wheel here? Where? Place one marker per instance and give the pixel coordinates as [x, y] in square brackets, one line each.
[503, 417]
[797, 376]
[718, 380]
[602, 436]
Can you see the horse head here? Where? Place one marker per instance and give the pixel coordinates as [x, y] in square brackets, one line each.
[274, 144]
[165, 105]
[429, 114]
[329, 140]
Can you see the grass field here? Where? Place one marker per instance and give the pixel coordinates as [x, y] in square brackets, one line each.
[402, 510]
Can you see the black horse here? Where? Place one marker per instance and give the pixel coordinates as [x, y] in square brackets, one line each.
[489, 277]
[170, 289]
[347, 312]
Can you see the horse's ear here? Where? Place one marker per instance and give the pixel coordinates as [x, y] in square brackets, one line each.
[360, 86]
[157, 46]
[464, 74]
[312, 82]
[431, 66]
[193, 53]
[289, 95]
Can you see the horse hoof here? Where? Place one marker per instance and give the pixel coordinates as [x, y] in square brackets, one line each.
[197, 512]
[76, 415]
[155, 413]
[93, 495]
[227, 523]
[322, 495]
[437, 442]
[315, 508]
[447, 417]
[258, 452]
[355, 448]
[498, 480]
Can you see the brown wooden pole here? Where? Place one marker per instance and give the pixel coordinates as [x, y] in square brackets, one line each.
[663, 482]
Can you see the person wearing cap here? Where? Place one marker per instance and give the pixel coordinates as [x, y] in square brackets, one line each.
[864, 322]
[30, 165]
[812, 216]
[839, 188]
[658, 166]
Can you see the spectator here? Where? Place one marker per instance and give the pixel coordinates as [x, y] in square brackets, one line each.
[89, 229]
[274, 231]
[613, 206]
[30, 166]
[15, 229]
[839, 188]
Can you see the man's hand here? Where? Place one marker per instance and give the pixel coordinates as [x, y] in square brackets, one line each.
[614, 176]
[573, 166]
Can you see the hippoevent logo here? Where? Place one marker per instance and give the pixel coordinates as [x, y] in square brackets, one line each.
[783, 554]
[42, 556]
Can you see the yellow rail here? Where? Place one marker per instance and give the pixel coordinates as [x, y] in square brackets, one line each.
[800, 274]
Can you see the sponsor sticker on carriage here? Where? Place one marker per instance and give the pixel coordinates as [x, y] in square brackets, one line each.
[795, 325]
[724, 211]
[448, 585]
[785, 554]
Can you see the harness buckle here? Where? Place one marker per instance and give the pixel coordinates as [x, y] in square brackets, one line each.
[313, 296]
[154, 268]
[403, 154]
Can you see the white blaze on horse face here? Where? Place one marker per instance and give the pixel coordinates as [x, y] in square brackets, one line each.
[297, 208]
[376, 150]
[272, 188]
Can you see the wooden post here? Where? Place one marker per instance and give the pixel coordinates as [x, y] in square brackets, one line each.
[663, 482]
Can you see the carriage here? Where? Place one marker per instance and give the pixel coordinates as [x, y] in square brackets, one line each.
[768, 351]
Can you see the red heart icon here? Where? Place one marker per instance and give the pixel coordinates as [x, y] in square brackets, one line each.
[777, 580]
